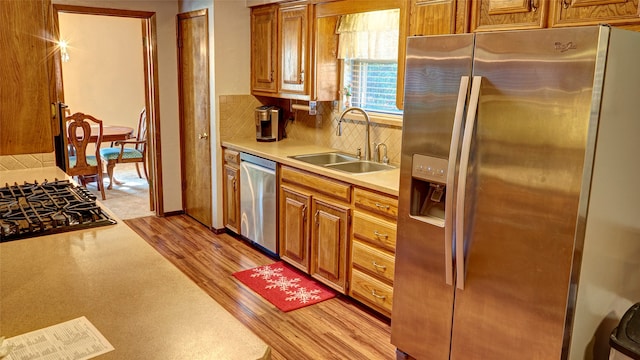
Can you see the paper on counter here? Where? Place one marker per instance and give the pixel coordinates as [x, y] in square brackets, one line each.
[75, 339]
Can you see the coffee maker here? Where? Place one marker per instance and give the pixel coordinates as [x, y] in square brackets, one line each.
[268, 121]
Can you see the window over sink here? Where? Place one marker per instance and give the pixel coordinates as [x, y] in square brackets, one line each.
[368, 50]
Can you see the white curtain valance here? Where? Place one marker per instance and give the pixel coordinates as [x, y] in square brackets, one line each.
[371, 35]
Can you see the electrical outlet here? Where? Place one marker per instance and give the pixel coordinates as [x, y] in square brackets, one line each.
[312, 107]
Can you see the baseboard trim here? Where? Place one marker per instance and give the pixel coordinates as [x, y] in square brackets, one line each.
[219, 231]
[173, 213]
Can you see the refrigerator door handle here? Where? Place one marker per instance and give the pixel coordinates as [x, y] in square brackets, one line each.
[465, 153]
[451, 175]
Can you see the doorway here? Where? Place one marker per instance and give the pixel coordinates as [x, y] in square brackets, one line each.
[146, 22]
[195, 120]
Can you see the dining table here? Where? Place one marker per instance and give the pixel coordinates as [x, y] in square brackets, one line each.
[110, 133]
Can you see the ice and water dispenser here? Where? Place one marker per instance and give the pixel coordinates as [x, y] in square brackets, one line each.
[428, 189]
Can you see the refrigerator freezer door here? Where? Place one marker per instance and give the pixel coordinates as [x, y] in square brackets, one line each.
[423, 301]
[523, 191]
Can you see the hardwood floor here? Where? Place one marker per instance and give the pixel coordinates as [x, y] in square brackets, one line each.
[338, 328]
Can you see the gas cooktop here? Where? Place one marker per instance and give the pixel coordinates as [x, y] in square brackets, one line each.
[33, 209]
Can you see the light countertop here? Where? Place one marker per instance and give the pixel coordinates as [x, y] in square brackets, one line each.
[280, 151]
[144, 306]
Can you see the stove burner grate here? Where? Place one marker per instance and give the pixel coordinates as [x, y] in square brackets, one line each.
[34, 209]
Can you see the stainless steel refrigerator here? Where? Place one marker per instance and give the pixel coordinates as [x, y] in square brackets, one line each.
[519, 207]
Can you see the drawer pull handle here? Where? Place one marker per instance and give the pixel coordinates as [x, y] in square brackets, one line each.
[382, 206]
[380, 235]
[378, 266]
[373, 293]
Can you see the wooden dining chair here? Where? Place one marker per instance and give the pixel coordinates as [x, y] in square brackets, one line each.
[82, 165]
[137, 153]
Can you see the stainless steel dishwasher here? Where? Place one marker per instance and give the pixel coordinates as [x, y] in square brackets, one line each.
[258, 201]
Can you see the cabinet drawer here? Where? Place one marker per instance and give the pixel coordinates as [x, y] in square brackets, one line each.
[372, 261]
[371, 291]
[334, 188]
[231, 157]
[375, 231]
[377, 203]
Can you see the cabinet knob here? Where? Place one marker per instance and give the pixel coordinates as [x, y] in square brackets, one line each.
[203, 136]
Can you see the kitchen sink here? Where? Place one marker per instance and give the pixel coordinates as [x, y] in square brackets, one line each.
[360, 167]
[343, 162]
[325, 158]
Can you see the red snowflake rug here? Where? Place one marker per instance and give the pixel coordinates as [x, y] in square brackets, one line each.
[283, 286]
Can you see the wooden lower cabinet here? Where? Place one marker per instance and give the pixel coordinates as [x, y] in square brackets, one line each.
[372, 292]
[314, 225]
[373, 244]
[341, 234]
[329, 239]
[231, 191]
[295, 207]
[231, 199]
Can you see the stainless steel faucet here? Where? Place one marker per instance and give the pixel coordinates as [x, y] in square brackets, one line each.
[367, 147]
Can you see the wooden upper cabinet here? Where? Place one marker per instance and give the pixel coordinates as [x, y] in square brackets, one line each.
[264, 49]
[26, 97]
[432, 17]
[491, 15]
[587, 12]
[326, 79]
[293, 39]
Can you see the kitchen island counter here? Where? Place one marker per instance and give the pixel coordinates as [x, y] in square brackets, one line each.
[281, 152]
[144, 306]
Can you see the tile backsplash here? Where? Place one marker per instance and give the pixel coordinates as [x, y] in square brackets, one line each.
[27, 161]
[237, 122]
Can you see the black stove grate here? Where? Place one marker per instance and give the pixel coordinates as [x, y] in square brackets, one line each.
[33, 209]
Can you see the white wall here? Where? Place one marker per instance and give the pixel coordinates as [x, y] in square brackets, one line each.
[165, 11]
[232, 47]
[104, 76]
[229, 51]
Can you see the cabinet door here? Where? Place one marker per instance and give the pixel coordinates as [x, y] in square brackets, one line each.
[264, 45]
[432, 17]
[26, 117]
[293, 34]
[231, 198]
[490, 15]
[587, 12]
[329, 243]
[294, 227]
